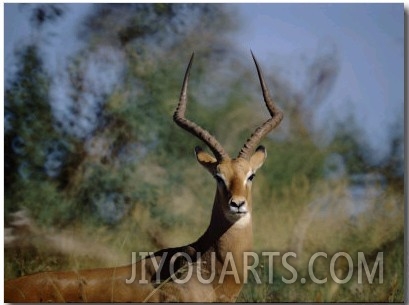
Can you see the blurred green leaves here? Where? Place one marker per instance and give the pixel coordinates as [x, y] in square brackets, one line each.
[114, 116]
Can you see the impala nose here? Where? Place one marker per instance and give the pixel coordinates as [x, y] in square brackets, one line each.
[238, 206]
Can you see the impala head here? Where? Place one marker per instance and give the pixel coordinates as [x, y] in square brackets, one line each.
[234, 176]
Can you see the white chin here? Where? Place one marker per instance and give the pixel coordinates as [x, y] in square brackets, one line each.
[236, 216]
[242, 219]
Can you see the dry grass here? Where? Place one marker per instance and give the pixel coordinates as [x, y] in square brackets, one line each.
[310, 219]
[304, 219]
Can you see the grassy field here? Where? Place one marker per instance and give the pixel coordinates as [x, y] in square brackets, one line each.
[315, 219]
[303, 219]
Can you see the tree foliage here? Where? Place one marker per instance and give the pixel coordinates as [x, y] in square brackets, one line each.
[78, 142]
[82, 152]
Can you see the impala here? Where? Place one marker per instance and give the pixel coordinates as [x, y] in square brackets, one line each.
[213, 268]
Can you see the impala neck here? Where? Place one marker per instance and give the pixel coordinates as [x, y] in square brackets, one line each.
[222, 236]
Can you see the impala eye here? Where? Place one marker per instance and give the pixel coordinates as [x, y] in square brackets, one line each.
[251, 177]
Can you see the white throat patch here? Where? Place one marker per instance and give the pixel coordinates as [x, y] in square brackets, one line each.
[243, 221]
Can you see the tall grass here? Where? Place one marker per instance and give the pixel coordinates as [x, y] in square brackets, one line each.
[304, 218]
[315, 218]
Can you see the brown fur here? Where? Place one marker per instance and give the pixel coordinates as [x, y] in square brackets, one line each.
[225, 234]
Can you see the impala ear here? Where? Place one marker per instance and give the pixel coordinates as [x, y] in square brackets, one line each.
[206, 160]
[257, 159]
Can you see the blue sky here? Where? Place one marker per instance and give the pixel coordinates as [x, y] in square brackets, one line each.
[368, 39]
